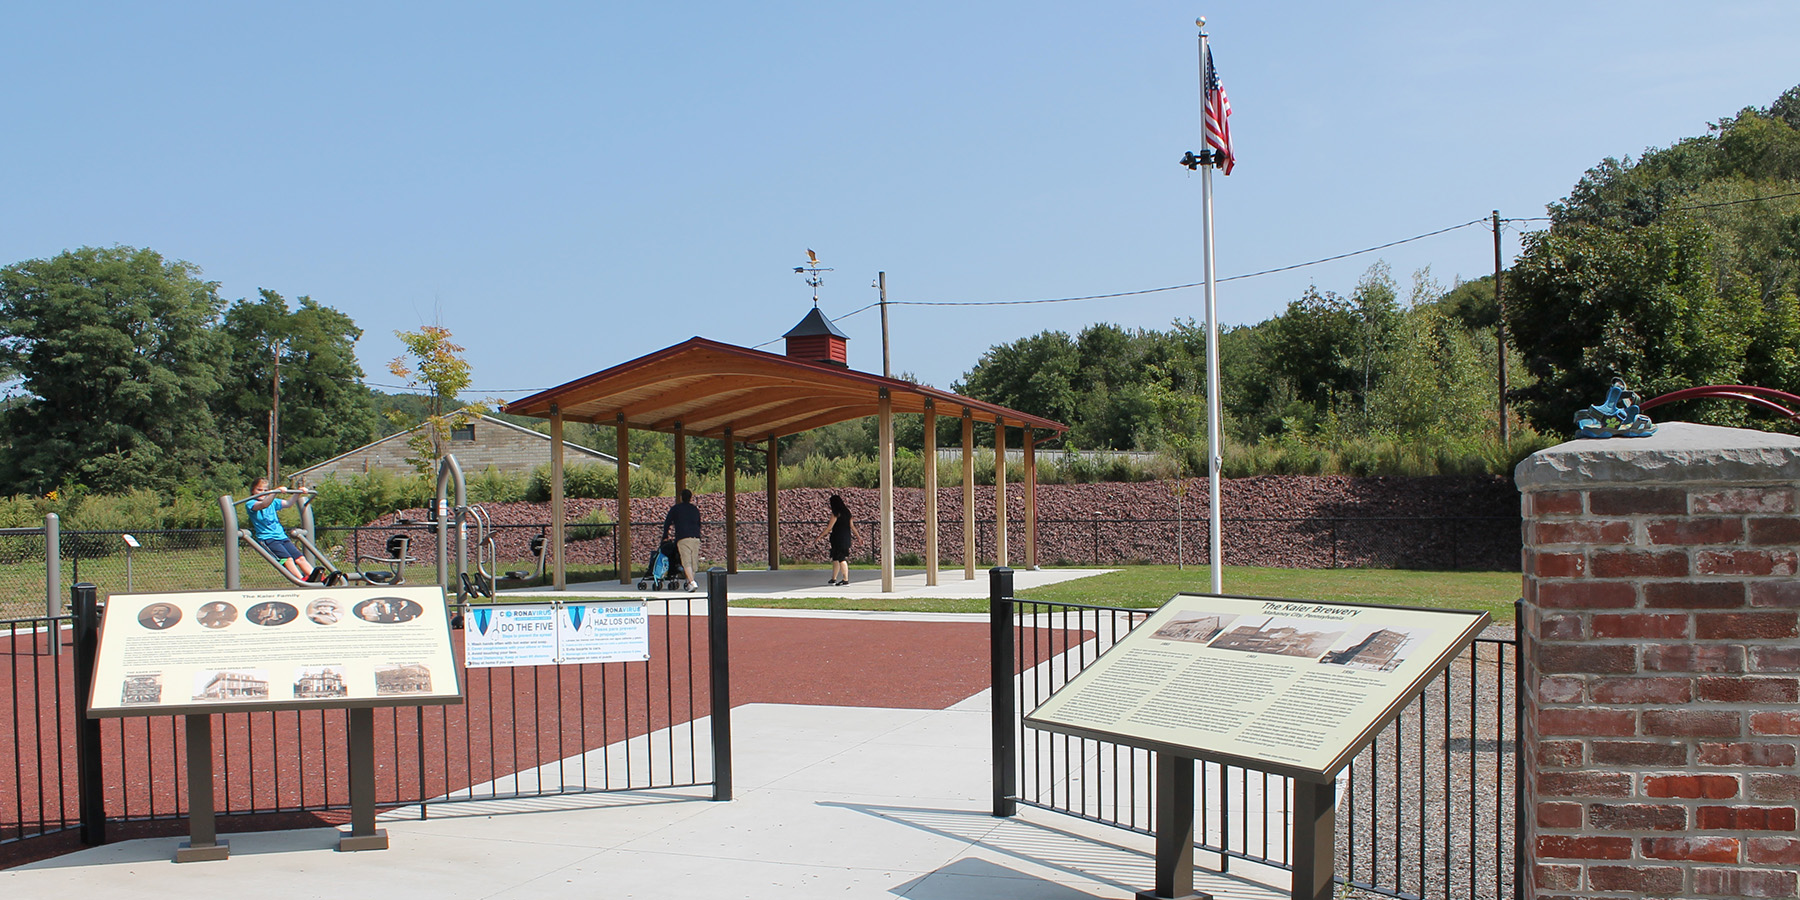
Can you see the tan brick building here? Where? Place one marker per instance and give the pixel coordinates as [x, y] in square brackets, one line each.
[485, 441]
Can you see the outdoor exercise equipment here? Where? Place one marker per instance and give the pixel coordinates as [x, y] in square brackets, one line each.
[538, 542]
[395, 561]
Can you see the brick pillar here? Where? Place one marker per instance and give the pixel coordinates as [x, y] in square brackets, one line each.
[1662, 679]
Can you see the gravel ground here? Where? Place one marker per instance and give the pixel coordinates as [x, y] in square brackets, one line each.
[1425, 810]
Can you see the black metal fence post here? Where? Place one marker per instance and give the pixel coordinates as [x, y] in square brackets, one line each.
[89, 776]
[1518, 860]
[1000, 641]
[718, 654]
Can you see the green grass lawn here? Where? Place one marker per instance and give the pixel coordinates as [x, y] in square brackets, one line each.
[1137, 586]
[1150, 586]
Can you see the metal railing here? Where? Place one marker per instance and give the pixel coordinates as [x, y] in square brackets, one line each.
[663, 723]
[1429, 809]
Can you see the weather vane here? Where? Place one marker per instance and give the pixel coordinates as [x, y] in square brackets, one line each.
[813, 272]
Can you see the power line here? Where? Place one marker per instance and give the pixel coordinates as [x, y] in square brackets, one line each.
[1177, 287]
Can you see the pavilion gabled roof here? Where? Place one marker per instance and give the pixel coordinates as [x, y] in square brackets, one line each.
[709, 387]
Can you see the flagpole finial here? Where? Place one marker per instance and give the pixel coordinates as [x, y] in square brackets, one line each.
[1200, 22]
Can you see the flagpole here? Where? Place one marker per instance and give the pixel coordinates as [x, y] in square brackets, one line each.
[1213, 417]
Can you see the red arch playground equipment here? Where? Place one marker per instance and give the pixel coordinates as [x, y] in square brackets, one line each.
[1766, 398]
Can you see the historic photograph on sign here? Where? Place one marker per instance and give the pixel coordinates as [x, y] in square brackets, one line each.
[1378, 649]
[318, 682]
[252, 684]
[402, 678]
[158, 616]
[217, 614]
[1195, 627]
[1282, 636]
[272, 612]
[324, 611]
[388, 610]
[140, 689]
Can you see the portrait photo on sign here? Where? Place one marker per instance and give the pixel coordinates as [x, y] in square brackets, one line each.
[216, 614]
[388, 609]
[324, 611]
[158, 616]
[241, 684]
[1279, 636]
[272, 612]
[1195, 627]
[402, 678]
[320, 682]
[1375, 649]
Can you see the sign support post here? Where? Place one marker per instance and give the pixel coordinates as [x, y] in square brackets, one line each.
[203, 835]
[1174, 830]
[363, 833]
[1315, 839]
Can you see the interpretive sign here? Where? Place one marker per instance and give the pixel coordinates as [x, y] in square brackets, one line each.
[1285, 686]
[556, 633]
[219, 651]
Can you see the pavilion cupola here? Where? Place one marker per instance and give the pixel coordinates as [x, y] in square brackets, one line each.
[815, 339]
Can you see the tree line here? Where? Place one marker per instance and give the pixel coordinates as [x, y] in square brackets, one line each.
[1675, 270]
[128, 371]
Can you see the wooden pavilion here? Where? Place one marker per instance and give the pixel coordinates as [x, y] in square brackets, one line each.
[744, 396]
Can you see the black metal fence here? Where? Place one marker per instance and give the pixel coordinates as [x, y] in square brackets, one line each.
[1428, 810]
[521, 732]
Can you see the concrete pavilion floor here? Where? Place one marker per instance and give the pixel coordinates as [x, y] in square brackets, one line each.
[865, 584]
[833, 802]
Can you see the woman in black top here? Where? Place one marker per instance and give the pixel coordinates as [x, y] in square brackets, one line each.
[839, 531]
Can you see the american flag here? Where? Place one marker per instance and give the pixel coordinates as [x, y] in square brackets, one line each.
[1218, 118]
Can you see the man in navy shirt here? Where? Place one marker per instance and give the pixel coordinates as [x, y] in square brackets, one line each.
[684, 518]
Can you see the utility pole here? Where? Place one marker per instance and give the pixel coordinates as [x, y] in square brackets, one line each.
[275, 418]
[1500, 331]
[887, 369]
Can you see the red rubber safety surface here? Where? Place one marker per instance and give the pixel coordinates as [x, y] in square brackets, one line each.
[512, 719]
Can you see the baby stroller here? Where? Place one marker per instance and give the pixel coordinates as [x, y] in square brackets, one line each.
[665, 570]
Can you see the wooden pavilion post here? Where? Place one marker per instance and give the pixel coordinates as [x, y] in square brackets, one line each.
[968, 494]
[931, 488]
[1000, 491]
[884, 428]
[773, 479]
[559, 580]
[623, 529]
[1030, 498]
[730, 502]
[680, 461]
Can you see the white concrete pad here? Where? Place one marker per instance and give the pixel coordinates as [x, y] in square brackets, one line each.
[830, 802]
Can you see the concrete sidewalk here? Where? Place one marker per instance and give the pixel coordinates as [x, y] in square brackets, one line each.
[830, 802]
[810, 583]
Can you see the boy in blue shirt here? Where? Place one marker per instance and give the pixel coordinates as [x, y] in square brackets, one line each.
[265, 527]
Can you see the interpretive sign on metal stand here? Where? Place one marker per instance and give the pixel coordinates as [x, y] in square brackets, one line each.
[206, 652]
[1289, 687]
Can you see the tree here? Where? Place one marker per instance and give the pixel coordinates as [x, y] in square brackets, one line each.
[436, 364]
[1677, 270]
[1640, 304]
[118, 353]
[325, 409]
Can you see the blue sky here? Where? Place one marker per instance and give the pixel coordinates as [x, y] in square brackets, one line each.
[568, 186]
